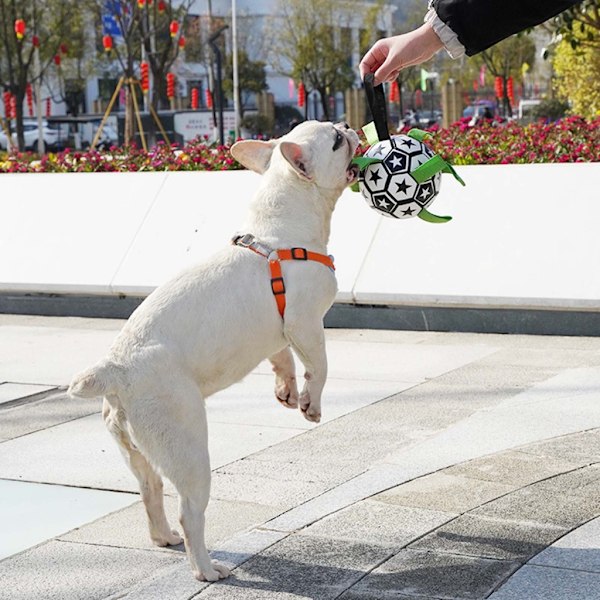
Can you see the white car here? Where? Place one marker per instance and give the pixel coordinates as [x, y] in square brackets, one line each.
[55, 135]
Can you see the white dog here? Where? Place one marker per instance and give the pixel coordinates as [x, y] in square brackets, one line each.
[212, 324]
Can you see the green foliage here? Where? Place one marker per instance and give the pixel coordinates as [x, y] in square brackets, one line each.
[251, 73]
[551, 109]
[577, 79]
[306, 46]
[580, 25]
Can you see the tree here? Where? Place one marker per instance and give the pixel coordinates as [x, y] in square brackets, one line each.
[506, 59]
[577, 76]
[40, 29]
[580, 25]
[307, 48]
[252, 79]
[155, 27]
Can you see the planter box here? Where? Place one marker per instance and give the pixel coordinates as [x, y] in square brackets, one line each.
[522, 237]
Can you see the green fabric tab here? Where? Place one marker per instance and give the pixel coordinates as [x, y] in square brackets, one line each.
[418, 134]
[364, 161]
[370, 133]
[450, 169]
[431, 218]
[354, 187]
[429, 168]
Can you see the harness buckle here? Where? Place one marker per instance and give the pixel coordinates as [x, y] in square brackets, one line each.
[277, 286]
[245, 240]
[299, 253]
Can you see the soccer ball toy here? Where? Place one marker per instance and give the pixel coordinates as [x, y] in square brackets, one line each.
[401, 176]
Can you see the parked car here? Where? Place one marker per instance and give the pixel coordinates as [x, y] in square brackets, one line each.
[54, 135]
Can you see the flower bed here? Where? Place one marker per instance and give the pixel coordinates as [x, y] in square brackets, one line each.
[569, 140]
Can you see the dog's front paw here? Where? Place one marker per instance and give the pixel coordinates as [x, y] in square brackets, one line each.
[218, 571]
[170, 539]
[310, 410]
[286, 391]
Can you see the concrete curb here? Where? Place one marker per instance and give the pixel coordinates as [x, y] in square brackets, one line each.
[347, 316]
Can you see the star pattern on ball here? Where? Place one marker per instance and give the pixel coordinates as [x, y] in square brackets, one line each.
[425, 193]
[403, 186]
[408, 143]
[378, 150]
[409, 211]
[396, 161]
[375, 176]
[383, 203]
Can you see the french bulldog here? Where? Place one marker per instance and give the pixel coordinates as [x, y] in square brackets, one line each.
[213, 323]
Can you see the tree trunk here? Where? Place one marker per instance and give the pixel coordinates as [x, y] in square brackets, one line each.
[324, 103]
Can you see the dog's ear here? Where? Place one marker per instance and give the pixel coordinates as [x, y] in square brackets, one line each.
[295, 154]
[253, 154]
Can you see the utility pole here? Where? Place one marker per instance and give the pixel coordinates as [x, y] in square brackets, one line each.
[219, 83]
[236, 84]
[38, 95]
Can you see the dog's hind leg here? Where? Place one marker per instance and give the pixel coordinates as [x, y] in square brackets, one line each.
[172, 429]
[286, 390]
[150, 482]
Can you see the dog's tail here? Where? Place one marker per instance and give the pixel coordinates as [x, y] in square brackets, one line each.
[100, 380]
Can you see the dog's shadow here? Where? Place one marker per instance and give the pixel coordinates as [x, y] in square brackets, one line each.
[409, 573]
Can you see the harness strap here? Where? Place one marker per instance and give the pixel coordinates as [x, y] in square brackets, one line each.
[275, 257]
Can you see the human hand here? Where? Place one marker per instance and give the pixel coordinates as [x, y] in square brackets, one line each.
[389, 56]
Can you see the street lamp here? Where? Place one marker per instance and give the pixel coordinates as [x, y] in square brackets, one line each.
[236, 84]
[212, 40]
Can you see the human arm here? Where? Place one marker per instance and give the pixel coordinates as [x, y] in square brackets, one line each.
[389, 56]
[480, 24]
[459, 26]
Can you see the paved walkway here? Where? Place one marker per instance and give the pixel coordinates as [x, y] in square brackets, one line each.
[448, 466]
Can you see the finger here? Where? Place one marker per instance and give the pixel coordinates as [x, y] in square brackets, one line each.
[387, 72]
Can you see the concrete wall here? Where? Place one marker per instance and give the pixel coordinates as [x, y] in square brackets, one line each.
[523, 236]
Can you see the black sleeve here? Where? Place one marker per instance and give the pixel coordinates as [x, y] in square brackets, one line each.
[480, 24]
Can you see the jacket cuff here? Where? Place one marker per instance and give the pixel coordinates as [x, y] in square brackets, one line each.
[450, 40]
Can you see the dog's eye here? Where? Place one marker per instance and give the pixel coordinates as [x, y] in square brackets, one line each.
[339, 140]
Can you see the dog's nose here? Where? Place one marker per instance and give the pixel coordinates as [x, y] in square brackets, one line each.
[345, 125]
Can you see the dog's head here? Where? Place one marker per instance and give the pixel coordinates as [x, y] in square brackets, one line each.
[318, 153]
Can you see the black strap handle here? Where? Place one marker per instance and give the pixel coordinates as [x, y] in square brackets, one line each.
[378, 106]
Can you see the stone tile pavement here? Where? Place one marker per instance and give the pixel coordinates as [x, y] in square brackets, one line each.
[448, 466]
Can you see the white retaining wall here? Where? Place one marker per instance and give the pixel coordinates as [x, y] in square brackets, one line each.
[522, 236]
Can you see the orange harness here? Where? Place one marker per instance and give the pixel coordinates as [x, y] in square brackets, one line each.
[275, 257]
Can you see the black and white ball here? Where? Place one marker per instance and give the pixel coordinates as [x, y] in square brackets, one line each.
[388, 186]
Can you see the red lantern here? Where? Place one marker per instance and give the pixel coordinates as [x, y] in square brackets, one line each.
[35, 40]
[13, 106]
[174, 28]
[6, 97]
[145, 77]
[195, 98]
[394, 92]
[162, 7]
[20, 29]
[141, 3]
[475, 85]
[170, 85]
[209, 99]
[107, 42]
[498, 87]
[418, 98]
[64, 49]
[29, 94]
[48, 107]
[301, 95]
[181, 42]
[510, 90]
[57, 60]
